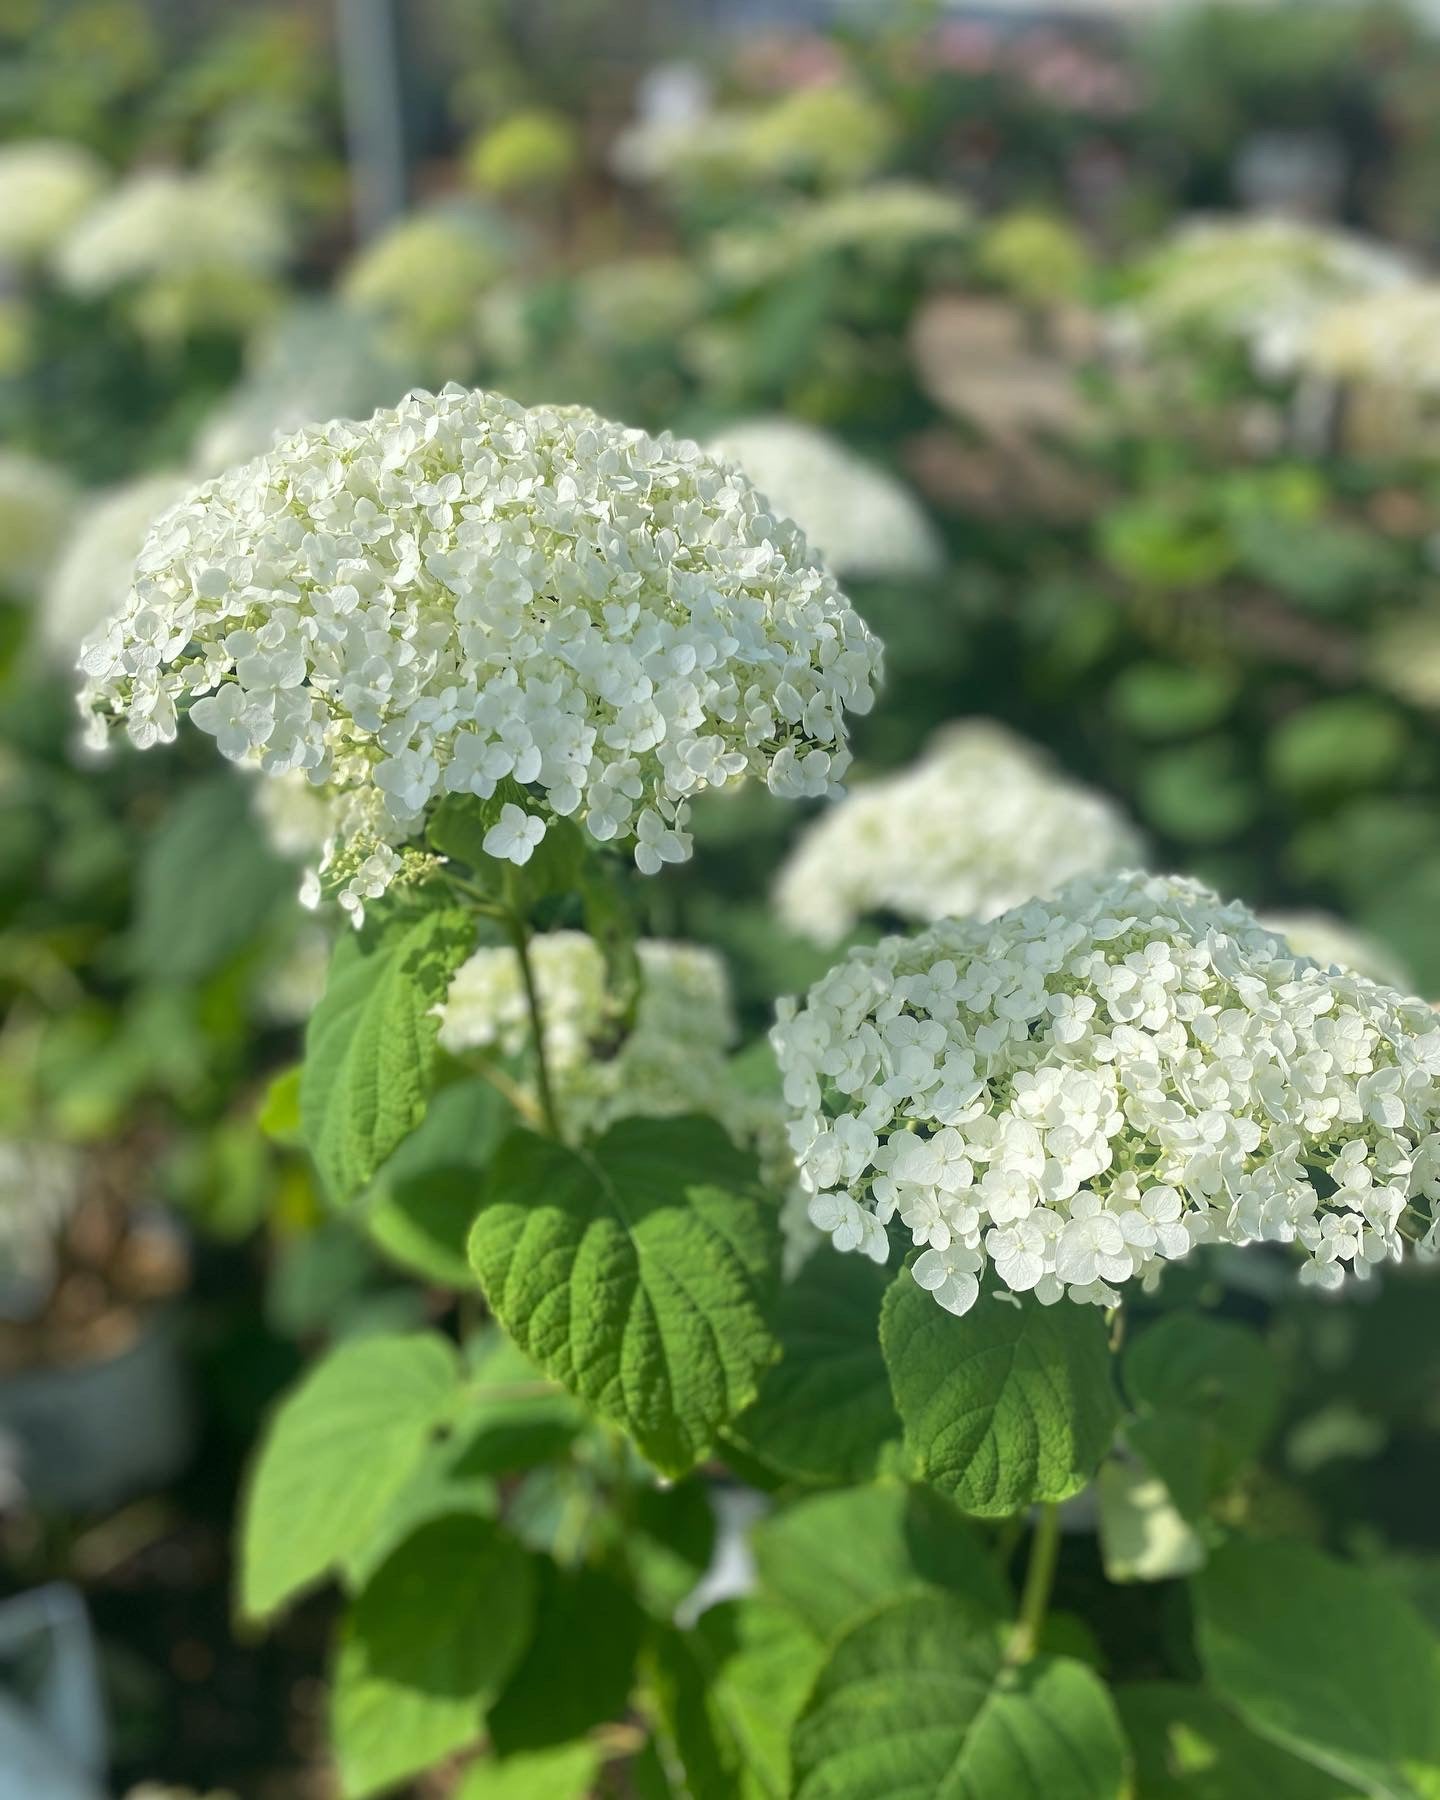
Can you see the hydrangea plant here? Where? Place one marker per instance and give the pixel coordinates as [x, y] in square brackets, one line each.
[503, 649]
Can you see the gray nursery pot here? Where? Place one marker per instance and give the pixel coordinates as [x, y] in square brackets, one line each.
[87, 1437]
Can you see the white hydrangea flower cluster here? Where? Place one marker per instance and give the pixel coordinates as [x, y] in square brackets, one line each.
[91, 576]
[1262, 282]
[980, 823]
[864, 523]
[1387, 338]
[1089, 1086]
[45, 186]
[196, 249]
[422, 280]
[461, 591]
[673, 1056]
[37, 502]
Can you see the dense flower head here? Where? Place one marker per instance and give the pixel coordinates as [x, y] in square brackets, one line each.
[1388, 338]
[37, 502]
[462, 591]
[422, 279]
[1088, 1086]
[195, 250]
[1260, 282]
[981, 822]
[671, 1056]
[45, 185]
[864, 522]
[91, 577]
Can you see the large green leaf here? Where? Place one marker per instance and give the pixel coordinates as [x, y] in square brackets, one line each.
[567, 1773]
[727, 1693]
[639, 1273]
[917, 1703]
[824, 1411]
[1206, 1392]
[427, 1645]
[420, 1206]
[206, 883]
[580, 1665]
[370, 1044]
[1005, 1406]
[1187, 1746]
[833, 1557]
[337, 1452]
[1327, 1661]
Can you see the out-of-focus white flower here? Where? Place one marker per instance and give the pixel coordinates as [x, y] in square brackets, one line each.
[831, 134]
[316, 361]
[45, 185]
[1260, 282]
[885, 225]
[637, 300]
[192, 251]
[1405, 652]
[37, 502]
[1390, 337]
[864, 523]
[980, 823]
[297, 817]
[91, 577]
[462, 591]
[1331, 942]
[423, 278]
[1088, 1086]
[671, 1057]
[291, 984]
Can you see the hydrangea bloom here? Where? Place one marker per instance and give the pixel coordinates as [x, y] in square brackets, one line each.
[673, 1058]
[91, 576]
[1388, 337]
[194, 251]
[1088, 1086]
[37, 500]
[422, 279]
[462, 591]
[1261, 283]
[1334, 943]
[862, 521]
[45, 185]
[982, 822]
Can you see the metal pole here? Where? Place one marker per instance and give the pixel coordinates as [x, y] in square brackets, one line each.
[367, 33]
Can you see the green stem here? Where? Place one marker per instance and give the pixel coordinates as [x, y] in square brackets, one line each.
[1039, 1580]
[520, 938]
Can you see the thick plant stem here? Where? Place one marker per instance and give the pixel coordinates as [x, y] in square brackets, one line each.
[520, 938]
[1039, 1579]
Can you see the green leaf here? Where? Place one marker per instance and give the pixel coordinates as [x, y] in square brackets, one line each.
[638, 1274]
[1326, 1661]
[1187, 1746]
[917, 1701]
[727, 1693]
[809, 1555]
[567, 1773]
[1005, 1406]
[1338, 746]
[338, 1450]
[279, 1114]
[426, 1647]
[206, 882]
[1207, 1394]
[580, 1665]
[824, 1411]
[370, 1044]
[420, 1207]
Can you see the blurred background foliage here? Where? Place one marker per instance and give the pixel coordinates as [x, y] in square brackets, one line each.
[1154, 525]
